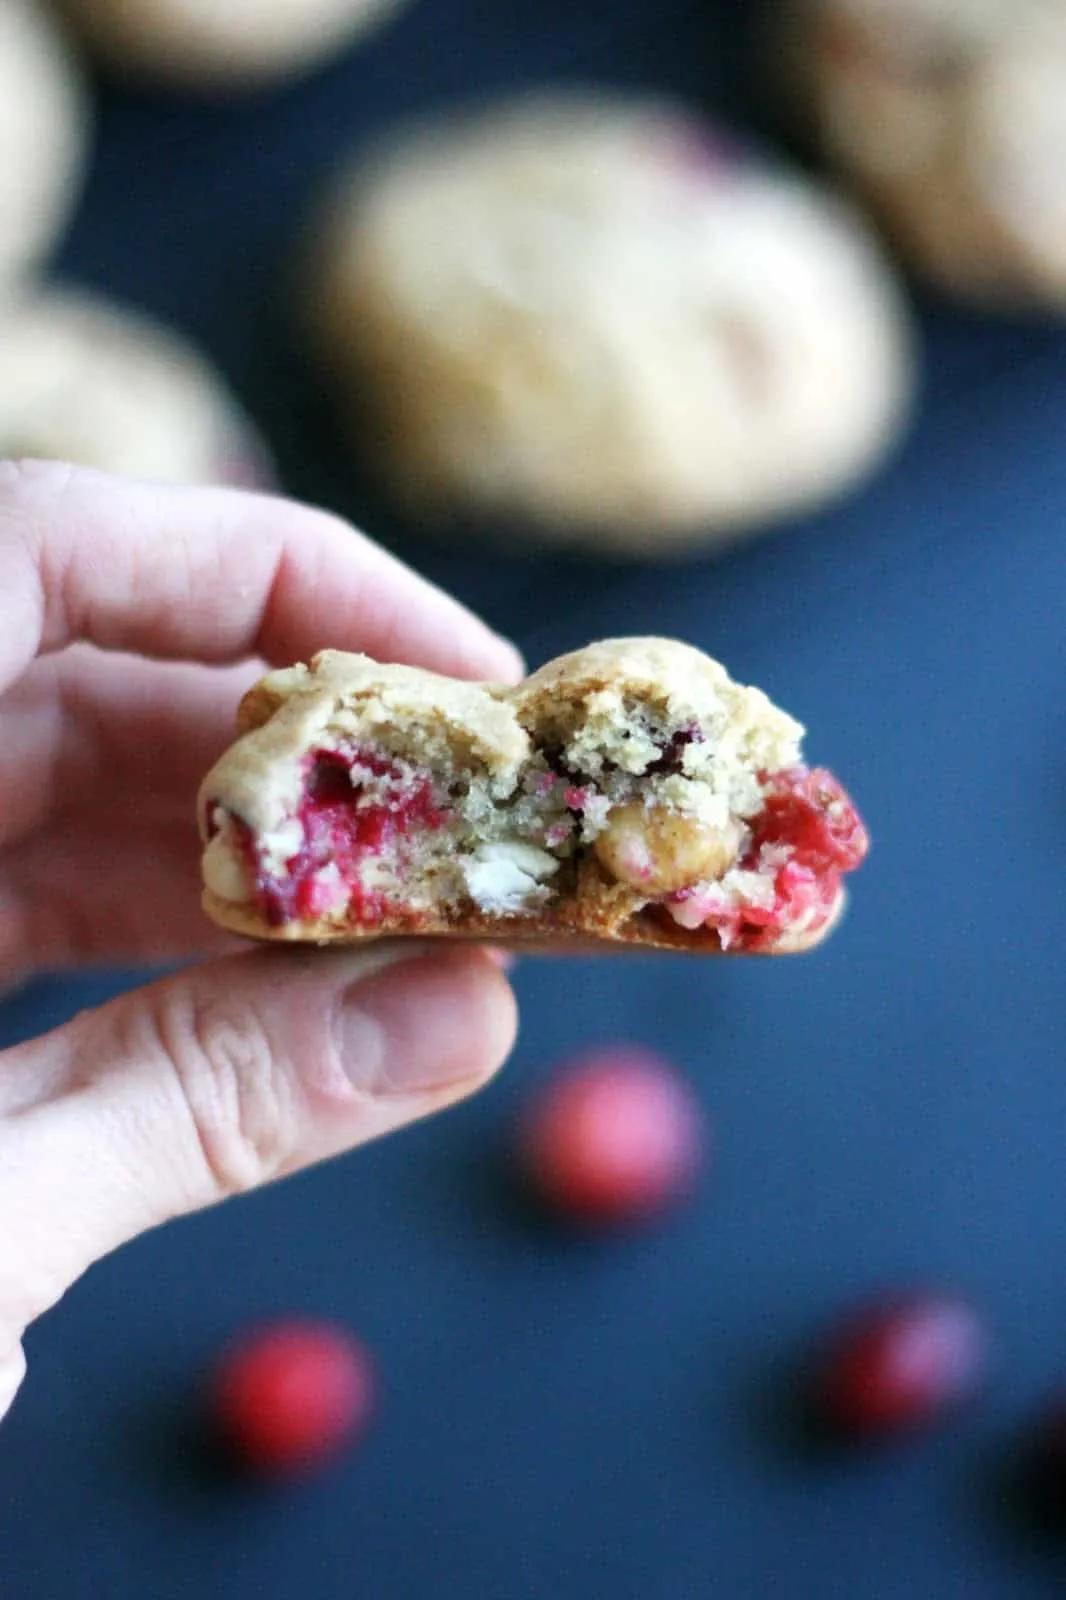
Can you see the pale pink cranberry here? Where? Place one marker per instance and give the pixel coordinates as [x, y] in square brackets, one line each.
[616, 1137]
[706, 903]
[899, 1363]
[809, 809]
[290, 1394]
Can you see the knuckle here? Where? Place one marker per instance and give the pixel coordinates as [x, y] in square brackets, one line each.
[236, 1092]
[34, 496]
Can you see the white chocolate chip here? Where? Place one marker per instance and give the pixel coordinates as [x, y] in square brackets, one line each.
[225, 873]
[277, 848]
[508, 876]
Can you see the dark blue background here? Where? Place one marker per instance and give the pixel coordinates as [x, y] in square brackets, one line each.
[568, 1419]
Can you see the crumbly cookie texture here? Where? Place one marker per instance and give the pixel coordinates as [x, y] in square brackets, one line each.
[627, 793]
[221, 44]
[43, 134]
[609, 320]
[951, 116]
[91, 382]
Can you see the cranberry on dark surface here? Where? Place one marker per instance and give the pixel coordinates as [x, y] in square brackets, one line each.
[616, 1137]
[898, 1363]
[288, 1395]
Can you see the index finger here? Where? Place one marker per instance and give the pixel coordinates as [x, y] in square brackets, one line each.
[211, 575]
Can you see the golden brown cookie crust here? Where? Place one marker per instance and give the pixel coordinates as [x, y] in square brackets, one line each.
[537, 932]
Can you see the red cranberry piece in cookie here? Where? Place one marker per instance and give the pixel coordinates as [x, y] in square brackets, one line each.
[807, 834]
[810, 811]
[291, 1394]
[616, 1137]
[341, 829]
[898, 1364]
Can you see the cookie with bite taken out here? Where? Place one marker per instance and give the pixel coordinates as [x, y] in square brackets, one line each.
[629, 793]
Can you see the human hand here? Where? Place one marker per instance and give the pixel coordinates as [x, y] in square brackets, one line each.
[131, 617]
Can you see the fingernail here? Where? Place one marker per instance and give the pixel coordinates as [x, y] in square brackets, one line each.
[434, 1021]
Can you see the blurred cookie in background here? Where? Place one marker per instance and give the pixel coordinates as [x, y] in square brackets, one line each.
[44, 120]
[89, 382]
[609, 321]
[950, 115]
[220, 44]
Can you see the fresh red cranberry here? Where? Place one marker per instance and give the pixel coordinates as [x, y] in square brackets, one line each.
[808, 809]
[339, 829]
[810, 820]
[291, 1393]
[899, 1363]
[617, 1136]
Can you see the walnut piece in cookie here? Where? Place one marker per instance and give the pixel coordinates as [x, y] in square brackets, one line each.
[627, 793]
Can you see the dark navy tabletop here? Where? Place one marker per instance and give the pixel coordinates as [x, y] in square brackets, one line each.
[560, 1418]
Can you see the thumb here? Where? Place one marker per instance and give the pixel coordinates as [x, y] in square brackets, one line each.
[225, 1077]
